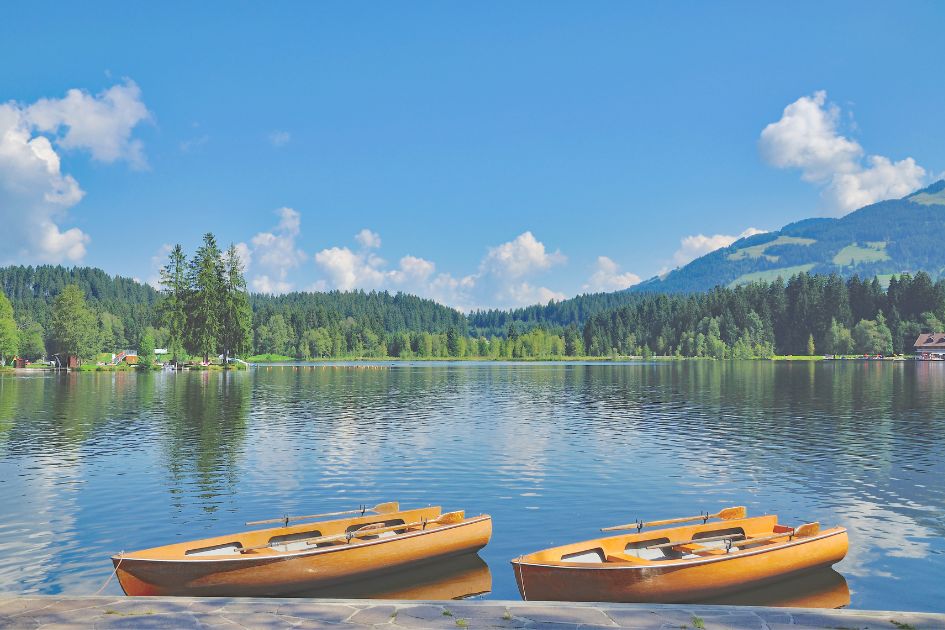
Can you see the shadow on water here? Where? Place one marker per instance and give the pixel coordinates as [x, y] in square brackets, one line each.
[824, 588]
[454, 578]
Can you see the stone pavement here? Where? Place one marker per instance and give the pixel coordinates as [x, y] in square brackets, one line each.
[48, 613]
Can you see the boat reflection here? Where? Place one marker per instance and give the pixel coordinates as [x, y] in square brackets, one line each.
[453, 578]
[823, 588]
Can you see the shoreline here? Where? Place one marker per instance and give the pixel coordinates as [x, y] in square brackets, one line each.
[61, 612]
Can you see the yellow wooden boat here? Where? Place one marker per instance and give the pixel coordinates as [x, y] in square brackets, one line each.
[297, 557]
[679, 564]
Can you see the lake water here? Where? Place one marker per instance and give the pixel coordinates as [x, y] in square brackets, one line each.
[94, 463]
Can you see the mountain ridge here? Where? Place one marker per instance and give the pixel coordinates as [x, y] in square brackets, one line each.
[888, 237]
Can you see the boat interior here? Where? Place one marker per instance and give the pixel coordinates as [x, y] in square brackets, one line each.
[290, 538]
[676, 544]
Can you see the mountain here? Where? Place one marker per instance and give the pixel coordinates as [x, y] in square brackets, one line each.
[890, 237]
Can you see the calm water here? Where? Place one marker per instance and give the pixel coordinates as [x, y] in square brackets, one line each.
[91, 464]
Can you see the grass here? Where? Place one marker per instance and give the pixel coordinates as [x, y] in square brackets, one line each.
[770, 275]
[926, 199]
[855, 254]
[269, 358]
[902, 626]
[697, 622]
[462, 623]
[447, 612]
[130, 613]
[798, 357]
[757, 251]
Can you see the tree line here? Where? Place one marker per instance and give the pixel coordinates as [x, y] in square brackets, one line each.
[808, 314]
[203, 310]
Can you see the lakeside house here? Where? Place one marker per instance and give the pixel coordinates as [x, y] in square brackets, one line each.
[930, 346]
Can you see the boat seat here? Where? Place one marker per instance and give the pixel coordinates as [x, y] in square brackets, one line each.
[623, 557]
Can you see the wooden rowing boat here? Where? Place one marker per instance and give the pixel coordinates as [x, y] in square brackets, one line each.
[292, 558]
[679, 564]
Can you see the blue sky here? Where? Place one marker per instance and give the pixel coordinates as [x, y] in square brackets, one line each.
[494, 153]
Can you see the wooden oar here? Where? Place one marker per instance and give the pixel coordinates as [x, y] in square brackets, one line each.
[442, 519]
[727, 514]
[808, 529]
[380, 508]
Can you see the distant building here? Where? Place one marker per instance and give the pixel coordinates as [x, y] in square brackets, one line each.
[930, 346]
[160, 351]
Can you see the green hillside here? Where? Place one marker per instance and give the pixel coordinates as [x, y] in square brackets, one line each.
[890, 237]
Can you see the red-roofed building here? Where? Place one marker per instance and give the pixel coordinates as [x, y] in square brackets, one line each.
[930, 346]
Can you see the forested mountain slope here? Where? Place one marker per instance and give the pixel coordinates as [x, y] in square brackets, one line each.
[890, 237]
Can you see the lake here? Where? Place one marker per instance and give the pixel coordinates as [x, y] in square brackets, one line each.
[95, 463]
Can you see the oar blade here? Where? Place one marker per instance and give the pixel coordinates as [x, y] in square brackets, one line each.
[807, 529]
[732, 513]
[387, 508]
[451, 517]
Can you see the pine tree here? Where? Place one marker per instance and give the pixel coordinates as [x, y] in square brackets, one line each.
[205, 276]
[173, 305]
[236, 333]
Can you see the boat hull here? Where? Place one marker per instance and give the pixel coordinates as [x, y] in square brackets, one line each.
[679, 582]
[271, 575]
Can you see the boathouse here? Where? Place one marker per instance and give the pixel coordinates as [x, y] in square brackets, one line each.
[930, 346]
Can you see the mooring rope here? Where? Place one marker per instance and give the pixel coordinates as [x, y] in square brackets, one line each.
[114, 572]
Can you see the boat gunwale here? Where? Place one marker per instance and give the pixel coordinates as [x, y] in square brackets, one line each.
[247, 558]
[681, 563]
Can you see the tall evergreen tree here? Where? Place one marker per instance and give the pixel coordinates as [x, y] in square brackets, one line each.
[205, 275]
[237, 321]
[173, 305]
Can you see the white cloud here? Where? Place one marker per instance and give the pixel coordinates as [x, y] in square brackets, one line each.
[523, 255]
[608, 277]
[279, 138]
[157, 262]
[101, 124]
[35, 195]
[692, 247]
[807, 137]
[274, 253]
[498, 281]
[368, 239]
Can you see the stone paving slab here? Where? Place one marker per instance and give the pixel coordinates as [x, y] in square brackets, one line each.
[110, 613]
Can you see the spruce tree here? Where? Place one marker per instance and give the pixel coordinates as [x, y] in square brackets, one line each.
[205, 276]
[237, 323]
[173, 305]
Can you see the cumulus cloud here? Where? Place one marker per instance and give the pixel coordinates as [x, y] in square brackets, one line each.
[274, 254]
[692, 247]
[499, 280]
[368, 239]
[158, 260]
[35, 194]
[807, 138]
[608, 277]
[101, 124]
[523, 255]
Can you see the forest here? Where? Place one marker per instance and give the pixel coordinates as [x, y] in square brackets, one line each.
[203, 310]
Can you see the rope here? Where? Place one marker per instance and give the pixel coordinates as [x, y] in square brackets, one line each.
[121, 557]
[521, 578]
